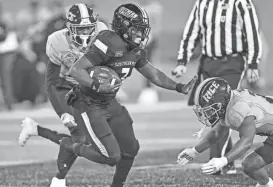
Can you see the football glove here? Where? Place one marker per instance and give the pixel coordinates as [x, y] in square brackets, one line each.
[186, 156]
[104, 87]
[68, 120]
[214, 165]
[186, 88]
[179, 70]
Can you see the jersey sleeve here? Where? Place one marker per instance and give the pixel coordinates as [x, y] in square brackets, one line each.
[142, 58]
[52, 50]
[239, 112]
[105, 47]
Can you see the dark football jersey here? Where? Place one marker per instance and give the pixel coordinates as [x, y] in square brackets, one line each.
[109, 49]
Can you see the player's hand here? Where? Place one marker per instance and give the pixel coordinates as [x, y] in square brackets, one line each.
[68, 120]
[108, 88]
[186, 88]
[179, 70]
[252, 75]
[186, 156]
[70, 97]
[214, 165]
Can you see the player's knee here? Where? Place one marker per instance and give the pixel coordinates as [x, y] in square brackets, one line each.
[251, 163]
[133, 152]
[114, 159]
[135, 148]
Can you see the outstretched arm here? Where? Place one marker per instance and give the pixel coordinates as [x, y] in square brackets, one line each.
[162, 80]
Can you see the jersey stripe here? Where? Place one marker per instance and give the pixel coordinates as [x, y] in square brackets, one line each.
[92, 134]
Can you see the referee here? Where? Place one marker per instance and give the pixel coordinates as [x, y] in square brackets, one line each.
[229, 33]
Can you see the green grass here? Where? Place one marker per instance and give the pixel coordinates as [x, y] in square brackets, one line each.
[151, 169]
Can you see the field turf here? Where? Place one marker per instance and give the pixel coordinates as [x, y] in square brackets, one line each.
[162, 133]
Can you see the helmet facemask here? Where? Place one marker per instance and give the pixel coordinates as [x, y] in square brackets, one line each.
[82, 33]
[209, 115]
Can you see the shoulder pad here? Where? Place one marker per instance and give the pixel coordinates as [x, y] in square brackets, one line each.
[238, 112]
[56, 45]
[101, 26]
[110, 43]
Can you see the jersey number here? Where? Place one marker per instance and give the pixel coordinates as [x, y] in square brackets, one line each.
[268, 99]
[125, 72]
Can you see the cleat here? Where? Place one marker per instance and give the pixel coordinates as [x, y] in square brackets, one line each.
[58, 182]
[29, 128]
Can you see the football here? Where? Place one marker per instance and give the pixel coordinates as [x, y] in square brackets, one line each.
[104, 75]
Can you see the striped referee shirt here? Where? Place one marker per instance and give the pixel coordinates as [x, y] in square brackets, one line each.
[225, 27]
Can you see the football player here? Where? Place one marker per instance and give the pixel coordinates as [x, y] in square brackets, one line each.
[106, 122]
[63, 48]
[242, 110]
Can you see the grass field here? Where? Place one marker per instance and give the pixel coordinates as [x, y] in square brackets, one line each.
[163, 130]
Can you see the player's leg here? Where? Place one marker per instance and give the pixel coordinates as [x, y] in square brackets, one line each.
[122, 126]
[32, 128]
[104, 147]
[253, 164]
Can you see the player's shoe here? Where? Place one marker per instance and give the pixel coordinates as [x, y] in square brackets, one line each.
[58, 182]
[65, 155]
[29, 128]
[148, 96]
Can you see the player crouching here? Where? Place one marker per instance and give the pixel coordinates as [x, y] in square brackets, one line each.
[221, 108]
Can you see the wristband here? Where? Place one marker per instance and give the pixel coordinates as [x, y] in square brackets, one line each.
[179, 87]
[181, 62]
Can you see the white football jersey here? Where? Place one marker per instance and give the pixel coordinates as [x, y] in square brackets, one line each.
[63, 53]
[245, 103]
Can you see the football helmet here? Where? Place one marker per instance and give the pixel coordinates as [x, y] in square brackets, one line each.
[211, 99]
[131, 23]
[81, 24]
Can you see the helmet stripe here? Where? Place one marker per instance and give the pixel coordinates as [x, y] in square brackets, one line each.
[83, 11]
[199, 88]
[144, 14]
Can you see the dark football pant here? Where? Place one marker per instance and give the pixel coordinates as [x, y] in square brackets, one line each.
[111, 134]
[231, 69]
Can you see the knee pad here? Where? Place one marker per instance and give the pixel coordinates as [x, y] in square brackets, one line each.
[133, 152]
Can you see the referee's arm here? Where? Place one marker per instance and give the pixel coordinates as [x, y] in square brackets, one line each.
[190, 36]
[251, 32]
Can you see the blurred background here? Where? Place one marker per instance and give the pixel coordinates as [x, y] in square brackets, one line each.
[25, 25]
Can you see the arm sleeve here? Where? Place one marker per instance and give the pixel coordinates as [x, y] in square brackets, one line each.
[251, 32]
